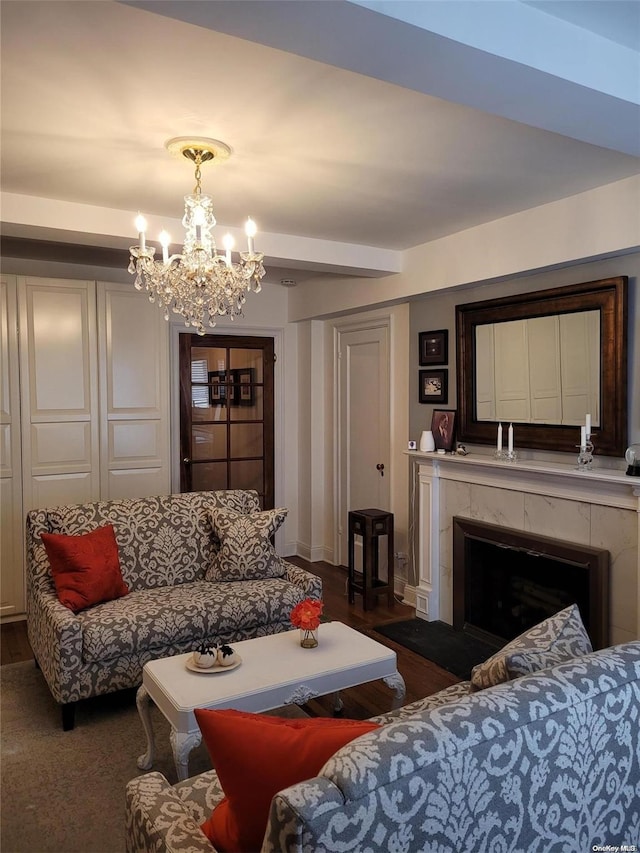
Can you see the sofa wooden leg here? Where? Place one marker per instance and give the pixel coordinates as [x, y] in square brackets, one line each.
[68, 716]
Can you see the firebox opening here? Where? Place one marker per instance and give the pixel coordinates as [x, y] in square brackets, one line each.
[506, 581]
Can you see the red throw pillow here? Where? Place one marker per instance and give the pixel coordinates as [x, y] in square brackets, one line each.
[85, 568]
[256, 756]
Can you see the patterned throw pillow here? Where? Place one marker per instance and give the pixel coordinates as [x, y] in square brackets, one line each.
[559, 638]
[245, 551]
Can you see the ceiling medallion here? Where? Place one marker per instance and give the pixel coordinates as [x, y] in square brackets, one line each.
[199, 283]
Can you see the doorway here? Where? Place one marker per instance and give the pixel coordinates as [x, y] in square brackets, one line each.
[227, 414]
[364, 424]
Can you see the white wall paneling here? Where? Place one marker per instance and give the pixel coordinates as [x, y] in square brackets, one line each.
[133, 341]
[11, 540]
[84, 398]
[59, 391]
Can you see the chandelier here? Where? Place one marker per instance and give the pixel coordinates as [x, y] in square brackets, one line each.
[200, 284]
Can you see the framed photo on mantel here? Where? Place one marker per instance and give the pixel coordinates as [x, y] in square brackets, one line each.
[433, 347]
[443, 427]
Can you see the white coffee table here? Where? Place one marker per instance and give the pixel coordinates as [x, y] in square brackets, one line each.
[275, 671]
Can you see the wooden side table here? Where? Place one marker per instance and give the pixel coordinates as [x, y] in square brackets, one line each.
[370, 524]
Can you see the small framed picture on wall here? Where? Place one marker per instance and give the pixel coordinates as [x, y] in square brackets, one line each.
[433, 386]
[434, 347]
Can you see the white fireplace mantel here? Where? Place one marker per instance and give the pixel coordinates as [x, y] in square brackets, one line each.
[599, 508]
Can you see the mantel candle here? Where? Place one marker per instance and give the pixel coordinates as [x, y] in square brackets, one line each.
[499, 437]
[510, 448]
[583, 438]
[588, 425]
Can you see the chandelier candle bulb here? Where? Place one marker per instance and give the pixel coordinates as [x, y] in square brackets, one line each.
[250, 230]
[164, 240]
[141, 227]
[228, 243]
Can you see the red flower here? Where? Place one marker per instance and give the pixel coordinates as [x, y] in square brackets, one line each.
[306, 614]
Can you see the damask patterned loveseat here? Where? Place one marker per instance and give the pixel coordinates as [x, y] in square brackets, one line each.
[549, 762]
[166, 545]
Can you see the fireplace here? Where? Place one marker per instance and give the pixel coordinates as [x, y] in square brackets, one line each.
[505, 581]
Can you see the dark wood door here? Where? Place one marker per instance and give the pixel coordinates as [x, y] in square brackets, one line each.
[226, 414]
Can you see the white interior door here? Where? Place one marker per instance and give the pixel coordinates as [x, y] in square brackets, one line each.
[364, 424]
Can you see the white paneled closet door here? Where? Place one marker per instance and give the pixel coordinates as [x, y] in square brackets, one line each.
[59, 391]
[12, 593]
[134, 380]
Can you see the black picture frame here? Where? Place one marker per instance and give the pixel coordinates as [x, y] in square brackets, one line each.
[245, 390]
[434, 386]
[443, 427]
[219, 388]
[433, 347]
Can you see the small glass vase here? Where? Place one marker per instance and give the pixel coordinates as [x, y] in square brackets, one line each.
[308, 638]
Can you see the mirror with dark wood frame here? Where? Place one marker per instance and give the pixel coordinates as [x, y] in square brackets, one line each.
[607, 297]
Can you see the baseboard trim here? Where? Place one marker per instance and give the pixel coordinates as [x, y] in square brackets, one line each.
[409, 593]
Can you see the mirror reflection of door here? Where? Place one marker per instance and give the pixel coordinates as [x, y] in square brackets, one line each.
[226, 414]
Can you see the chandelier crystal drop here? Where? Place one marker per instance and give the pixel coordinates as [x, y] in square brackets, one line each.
[200, 284]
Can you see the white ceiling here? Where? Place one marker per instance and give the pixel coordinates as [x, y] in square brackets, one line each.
[373, 124]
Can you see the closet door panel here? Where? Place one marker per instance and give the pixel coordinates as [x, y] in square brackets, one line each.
[12, 593]
[135, 443]
[62, 489]
[59, 391]
[134, 380]
[58, 324]
[61, 448]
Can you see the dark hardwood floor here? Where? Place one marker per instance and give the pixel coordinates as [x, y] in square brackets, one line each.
[422, 677]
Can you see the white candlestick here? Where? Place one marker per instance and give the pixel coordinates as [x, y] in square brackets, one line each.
[499, 437]
[583, 438]
[510, 438]
[588, 426]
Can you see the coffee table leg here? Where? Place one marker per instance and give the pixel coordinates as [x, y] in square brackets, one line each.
[396, 682]
[182, 743]
[143, 701]
[338, 704]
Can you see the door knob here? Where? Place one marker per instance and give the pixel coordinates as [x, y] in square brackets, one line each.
[380, 467]
[186, 460]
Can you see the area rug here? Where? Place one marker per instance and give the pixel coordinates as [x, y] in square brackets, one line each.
[63, 792]
[455, 651]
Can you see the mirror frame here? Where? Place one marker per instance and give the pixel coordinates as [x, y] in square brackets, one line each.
[609, 296]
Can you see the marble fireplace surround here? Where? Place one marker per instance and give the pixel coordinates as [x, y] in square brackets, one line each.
[600, 508]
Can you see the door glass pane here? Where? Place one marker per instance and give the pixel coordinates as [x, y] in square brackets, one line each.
[246, 475]
[214, 357]
[249, 402]
[241, 359]
[246, 440]
[207, 412]
[208, 476]
[209, 441]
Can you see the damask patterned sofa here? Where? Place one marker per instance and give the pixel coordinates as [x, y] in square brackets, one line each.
[548, 762]
[166, 546]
